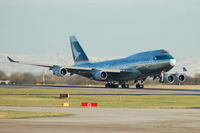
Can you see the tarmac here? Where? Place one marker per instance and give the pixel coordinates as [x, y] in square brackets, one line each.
[106, 120]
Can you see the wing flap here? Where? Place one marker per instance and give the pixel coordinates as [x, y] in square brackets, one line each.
[92, 69]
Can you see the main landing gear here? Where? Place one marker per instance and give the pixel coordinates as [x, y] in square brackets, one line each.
[111, 85]
[124, 85]
[114, 85]
[139, 84]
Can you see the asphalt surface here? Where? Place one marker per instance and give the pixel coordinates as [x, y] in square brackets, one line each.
[105, 120]
[145, 91]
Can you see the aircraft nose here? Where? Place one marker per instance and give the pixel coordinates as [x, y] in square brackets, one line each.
[172, 62]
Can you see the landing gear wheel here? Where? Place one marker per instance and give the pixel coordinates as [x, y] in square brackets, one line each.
[125, 85]
[106, 85]
[139, 86]
[111, 85]
[114, 86]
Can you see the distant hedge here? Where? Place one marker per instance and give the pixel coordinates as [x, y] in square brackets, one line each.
[28, 78]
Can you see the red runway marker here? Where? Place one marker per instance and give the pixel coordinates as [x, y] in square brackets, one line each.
[89, 104]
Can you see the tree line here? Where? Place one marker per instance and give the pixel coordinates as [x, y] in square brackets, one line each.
[28, 78]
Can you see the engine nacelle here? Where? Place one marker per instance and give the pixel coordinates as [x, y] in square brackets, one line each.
[168, 78]
[100, 75]
[180, 78]
[59, 71]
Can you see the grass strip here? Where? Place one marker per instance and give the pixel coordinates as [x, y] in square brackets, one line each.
[105, 101]
[12, 114]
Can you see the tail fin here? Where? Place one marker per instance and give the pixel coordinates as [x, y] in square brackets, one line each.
[78, 54]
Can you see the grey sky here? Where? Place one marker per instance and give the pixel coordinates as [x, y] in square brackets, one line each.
[104, 28]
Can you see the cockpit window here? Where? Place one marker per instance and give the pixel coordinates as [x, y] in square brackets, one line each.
[163, 57]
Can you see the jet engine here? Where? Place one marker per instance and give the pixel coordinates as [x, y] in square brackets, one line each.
[179, 78]
[59, 71]
[100, 75]
[168, 78]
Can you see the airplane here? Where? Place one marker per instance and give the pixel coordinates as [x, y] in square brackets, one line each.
[137, 67]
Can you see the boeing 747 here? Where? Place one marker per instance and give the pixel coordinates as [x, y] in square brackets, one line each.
[117, 72]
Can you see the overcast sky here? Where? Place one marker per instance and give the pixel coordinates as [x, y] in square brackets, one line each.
[103, 27]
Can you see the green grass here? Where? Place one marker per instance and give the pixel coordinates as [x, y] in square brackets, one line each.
[153, 101]
[11, 114]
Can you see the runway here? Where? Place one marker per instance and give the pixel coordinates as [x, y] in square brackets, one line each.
[145, 91]
[106, 120]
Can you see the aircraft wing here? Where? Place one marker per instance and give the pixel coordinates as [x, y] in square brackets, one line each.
[14, 61]
[68, 68]
[101, 74]
[77, 70]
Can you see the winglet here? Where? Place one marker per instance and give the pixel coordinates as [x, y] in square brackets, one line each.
[184, 69]
[41, 65]
[11, 60]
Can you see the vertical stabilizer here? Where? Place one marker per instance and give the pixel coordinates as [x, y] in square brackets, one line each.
[79, 55]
